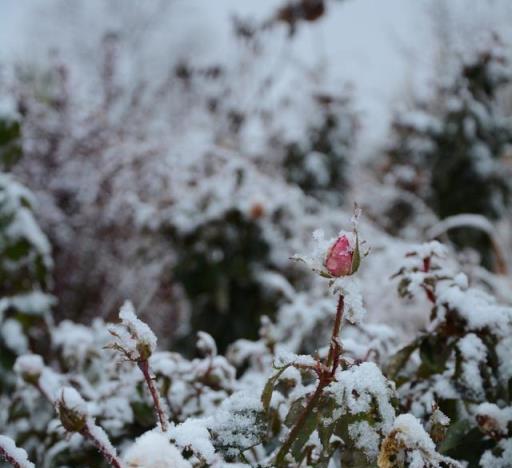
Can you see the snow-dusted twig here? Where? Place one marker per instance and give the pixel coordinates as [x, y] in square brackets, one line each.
[159, 410]
[74, 416]
[136, 341]
[97, 436]
[16, 456]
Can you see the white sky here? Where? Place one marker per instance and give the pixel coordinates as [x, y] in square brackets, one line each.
[385, 47]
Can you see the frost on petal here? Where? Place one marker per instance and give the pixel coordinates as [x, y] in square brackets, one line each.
[338, 261]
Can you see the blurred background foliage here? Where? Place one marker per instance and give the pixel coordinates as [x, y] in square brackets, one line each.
[180, 188]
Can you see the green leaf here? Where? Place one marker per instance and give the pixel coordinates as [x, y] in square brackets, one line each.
[463, 441]
[356, 258]
[296, 409]
[266, 395]
[10, 147]
[307, 428]
[396, 363]
[435, 350]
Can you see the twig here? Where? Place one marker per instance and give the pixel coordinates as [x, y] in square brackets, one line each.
[300, 422]
[335, 332]
[160, 413]
[105, 452]
[5, 456]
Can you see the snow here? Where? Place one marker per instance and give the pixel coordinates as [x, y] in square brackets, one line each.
[351, 289]
[13, 336]
[412, 432]
[139, 329]
[359, 387]
[31, 303]
[474, 355]
[477, 308]
[221, 171]
[490, 460]
[154, 450]
[29, 364]
[206, 344]
[14, 197]
[500, 417]
[285, 358]
[421, 450]
[71, 399]
[50, 384]
[193, 433]
[133, 336]
[100, 436]
[366, 438]
[462, 220]
[74, 340]
[18, 455]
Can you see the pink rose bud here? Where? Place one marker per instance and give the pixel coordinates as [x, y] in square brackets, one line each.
[338, 261]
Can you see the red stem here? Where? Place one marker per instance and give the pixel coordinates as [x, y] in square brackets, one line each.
[331, 361]
[105, 452]
[280, 457]
[160, 413]
[325, 377]
[5, 455]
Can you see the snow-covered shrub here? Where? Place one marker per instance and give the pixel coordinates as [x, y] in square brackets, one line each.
[220, 264]
[451, 151]
[109, 385]
[111, 181]
[10, 142]
[25, 264]
[460, 365]
[320, 164]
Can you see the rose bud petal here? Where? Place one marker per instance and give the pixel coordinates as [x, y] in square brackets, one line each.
[338, 261]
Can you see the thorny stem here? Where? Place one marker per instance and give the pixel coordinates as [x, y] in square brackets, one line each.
[5, 455]
[160, 413]
[105, 452]
[325, 377]
[334, 347]
[280, 457]
[86, 433]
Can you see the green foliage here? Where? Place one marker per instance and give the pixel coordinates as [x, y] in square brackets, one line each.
[460, 363]
[218, 264]
[10, 143]
[25, 263]
[348, 413]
